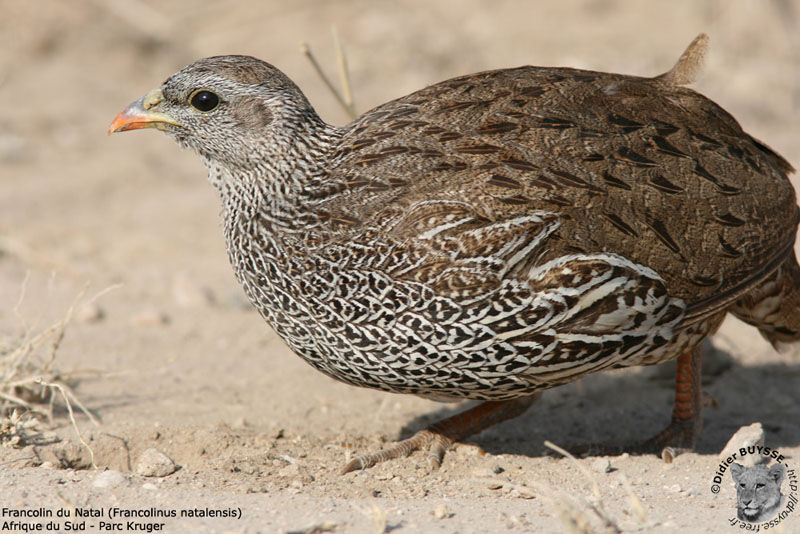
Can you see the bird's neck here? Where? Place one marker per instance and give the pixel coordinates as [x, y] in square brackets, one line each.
[285, 182]
[278, 195]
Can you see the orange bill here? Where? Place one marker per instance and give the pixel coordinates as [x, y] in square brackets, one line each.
[142, 114]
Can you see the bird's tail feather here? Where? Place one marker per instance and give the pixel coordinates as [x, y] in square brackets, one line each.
[774, 305]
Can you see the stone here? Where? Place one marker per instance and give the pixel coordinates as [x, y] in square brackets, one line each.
[746, 436]
[154, 463]
[109, 479]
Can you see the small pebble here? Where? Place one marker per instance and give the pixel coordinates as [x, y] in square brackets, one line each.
[240, 423]
[746, 436]
[521, 492]
[325, 526]
[469, 449]
[13, 148]
[90, 313]
[601, 465]
[440, 512]
[154, 463]
[485, 472]
[150, 318]
[109, 479]
[291, 470]
[189, 294]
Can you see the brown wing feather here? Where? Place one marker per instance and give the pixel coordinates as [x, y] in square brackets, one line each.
[631, 166]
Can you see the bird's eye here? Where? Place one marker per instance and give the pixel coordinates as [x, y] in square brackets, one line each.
[204, 100]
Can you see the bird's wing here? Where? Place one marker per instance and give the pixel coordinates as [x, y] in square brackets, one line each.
[630, 166]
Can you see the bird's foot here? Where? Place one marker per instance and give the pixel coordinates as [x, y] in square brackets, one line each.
[677, 438]
[687, 420]
[687, 413]
[439, 437]
[436, 443]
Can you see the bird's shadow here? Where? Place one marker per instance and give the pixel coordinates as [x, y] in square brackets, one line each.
[625, 407]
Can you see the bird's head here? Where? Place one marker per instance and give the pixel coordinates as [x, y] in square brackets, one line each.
[232, 110]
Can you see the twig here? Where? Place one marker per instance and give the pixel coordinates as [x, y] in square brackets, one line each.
[587, 474]
[22, 291]
[345, 101]
[64, 390]
[344, 74]
[16, 400]
[17, 372]
[638, 508]
[597, 507]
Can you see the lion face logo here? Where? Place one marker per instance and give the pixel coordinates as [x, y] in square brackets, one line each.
[758, 491]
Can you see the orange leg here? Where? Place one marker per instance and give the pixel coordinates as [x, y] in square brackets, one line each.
[440, 436]
[687, 420]
[686, 423]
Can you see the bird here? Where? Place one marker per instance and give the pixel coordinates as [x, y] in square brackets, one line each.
[496, 234]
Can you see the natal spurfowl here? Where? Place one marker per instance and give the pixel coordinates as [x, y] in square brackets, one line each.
[493, 235]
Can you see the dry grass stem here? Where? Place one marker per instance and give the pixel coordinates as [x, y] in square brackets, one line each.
[69, 398]
[586, 472]
[597, 504]
[345, 101]
[29, 378]
[636, 504]
[344, 74]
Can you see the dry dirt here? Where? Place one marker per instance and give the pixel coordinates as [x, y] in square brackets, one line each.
[173, 358]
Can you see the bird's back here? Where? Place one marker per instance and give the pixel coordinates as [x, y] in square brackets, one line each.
[653, 172]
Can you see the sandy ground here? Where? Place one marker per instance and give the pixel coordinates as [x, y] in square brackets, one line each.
[173, 358]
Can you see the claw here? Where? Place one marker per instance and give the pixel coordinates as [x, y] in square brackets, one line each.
[441, 436]
[398, 450]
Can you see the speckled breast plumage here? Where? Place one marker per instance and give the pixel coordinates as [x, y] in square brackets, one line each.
[356, 317]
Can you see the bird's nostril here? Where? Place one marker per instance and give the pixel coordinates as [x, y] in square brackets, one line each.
[152, 99]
